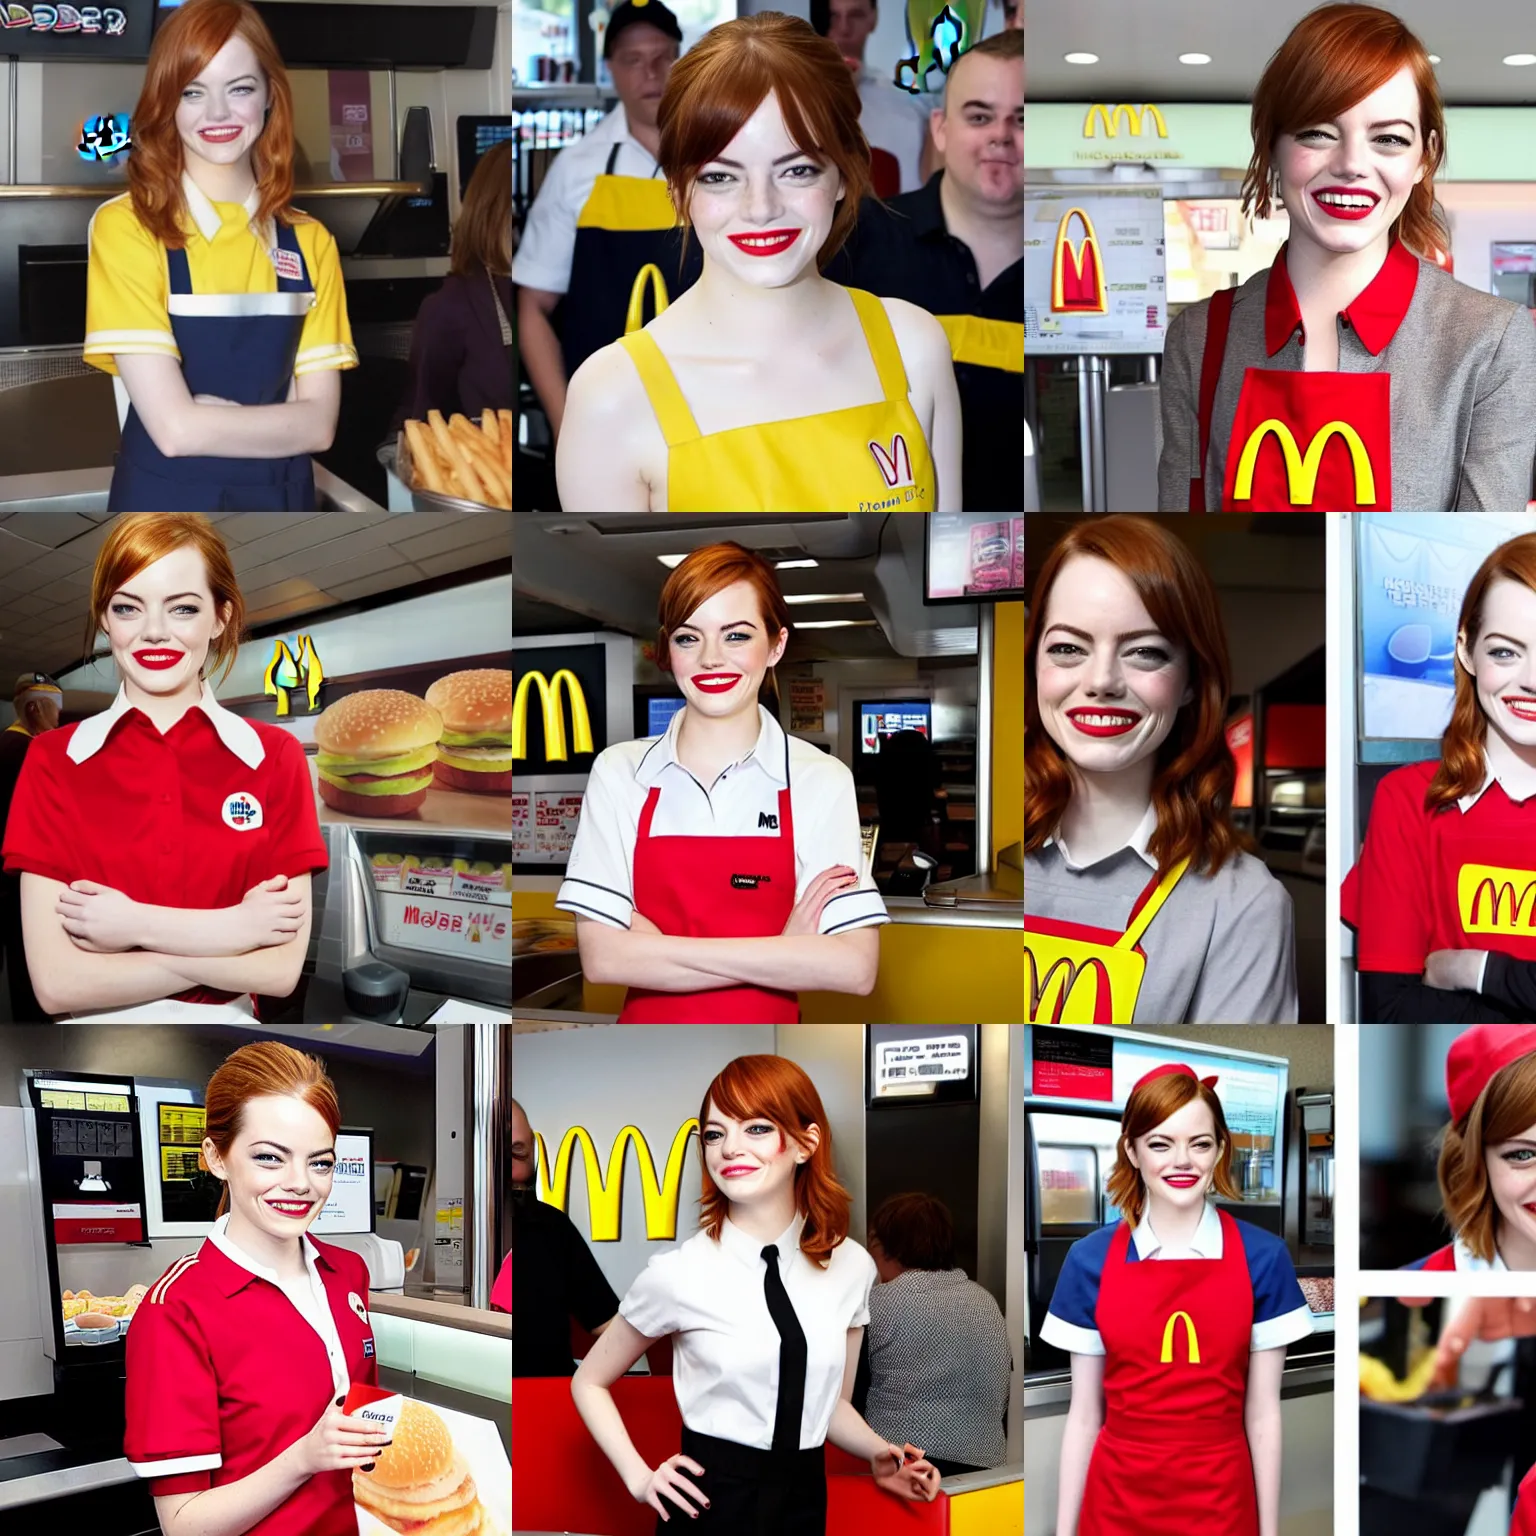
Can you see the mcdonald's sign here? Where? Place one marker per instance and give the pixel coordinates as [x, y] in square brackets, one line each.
[1077, 271]
[554, 716]
[1190, 1338]
[1070, 991]
[1110, 118]
[298, 667]
[1482, 893]
[1301, 470]
[605, 1197]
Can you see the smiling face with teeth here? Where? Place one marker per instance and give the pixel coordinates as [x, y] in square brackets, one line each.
[1501, 662]
[161, 623]
[1345, 181]
[1109, 683]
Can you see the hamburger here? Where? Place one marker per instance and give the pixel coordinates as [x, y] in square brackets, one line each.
[475, 752]
[376, 752]
[420, 1483]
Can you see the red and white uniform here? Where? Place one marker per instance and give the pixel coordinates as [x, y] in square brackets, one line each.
[193, 818]
[228, 1366]
[1463, 877]
[1457, 1256]
[1522, 1522]
[727, 860]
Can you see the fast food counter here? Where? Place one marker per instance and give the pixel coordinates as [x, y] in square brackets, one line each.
[85, 490]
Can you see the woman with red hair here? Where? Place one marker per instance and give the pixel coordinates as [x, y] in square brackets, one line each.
[1355, 372]
[718, 869]
[1140, 905]
[216, 305]
[767, 1305]
[765, 387]
[1177, 1318]
[165, 846]
[1438, 899]
[242, 1355]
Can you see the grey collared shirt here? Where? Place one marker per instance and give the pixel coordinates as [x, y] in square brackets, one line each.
[1463, 367]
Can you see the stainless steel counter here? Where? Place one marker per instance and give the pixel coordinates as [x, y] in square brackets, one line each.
[85, 490]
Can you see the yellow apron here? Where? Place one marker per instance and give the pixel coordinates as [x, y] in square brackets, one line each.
[867, 458]
[1071, 976]
[986, 343]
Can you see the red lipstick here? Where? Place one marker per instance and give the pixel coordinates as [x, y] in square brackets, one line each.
[765, 242]
[1338, 211]
[158, 661]
[1104, 722]
[1182, 1180]
[716, 682]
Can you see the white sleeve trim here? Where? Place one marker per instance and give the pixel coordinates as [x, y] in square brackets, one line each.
[177, 1465]
[132, 341]
[1070, 1337]
[606, 906]
[853, 909]
[1276, 1332]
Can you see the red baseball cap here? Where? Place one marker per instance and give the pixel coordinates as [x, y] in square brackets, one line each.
[1172, 1068]
[1476, 1054]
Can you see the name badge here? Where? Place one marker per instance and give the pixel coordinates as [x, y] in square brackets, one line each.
[288, 264]
[242, 811]
[356, 1303]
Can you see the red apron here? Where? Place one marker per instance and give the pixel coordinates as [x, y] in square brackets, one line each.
[1441, 1258]
[1299, 440]
[1172, 1457]
[714, 888]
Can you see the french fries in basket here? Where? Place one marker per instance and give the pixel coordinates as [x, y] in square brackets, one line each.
[460, 458]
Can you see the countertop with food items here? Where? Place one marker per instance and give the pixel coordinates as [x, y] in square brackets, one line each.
[91, 1319]
[459, 459]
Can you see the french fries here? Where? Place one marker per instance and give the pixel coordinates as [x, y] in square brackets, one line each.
[462, 459]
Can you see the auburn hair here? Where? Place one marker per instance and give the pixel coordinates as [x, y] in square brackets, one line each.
[263, 1070]
[1334, 57]
[708, 570]
[485, 216]
[775, 1088]
[182, 48]
[1145, 1110]
[139, 539]
[1505, 1108]
[1194, 773]
[916, 1230]
[1462, 764]
[723, 79]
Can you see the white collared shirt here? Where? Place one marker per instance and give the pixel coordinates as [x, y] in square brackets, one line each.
[308, 1296]
[1468, 1262]
[742, 802]
[725, 1360]
[1137, 842]
[548, 247]
[206, 217]
[895, 120]
[236, 732]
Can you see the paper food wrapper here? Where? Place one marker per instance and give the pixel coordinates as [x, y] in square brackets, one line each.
[374, 1404]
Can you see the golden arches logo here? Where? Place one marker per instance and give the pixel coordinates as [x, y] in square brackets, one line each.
[1110, 118]
[605, 1197]
[1301, 471]
[1190, 1338]
[554, 717]
[1085, 293]
[1082, 992]
[1482, 891]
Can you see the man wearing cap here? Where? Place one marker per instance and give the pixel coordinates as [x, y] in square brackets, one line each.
[602, 215]
[38, 700]
[956, 247]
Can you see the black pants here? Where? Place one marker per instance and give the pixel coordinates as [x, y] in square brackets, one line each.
[751, 1492]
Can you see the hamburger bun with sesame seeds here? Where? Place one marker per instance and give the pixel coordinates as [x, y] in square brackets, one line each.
[475, 752]
[377, 752]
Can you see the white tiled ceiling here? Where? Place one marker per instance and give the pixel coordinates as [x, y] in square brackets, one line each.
[286, 563]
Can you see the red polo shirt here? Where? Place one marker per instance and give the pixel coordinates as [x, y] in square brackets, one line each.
[1461, 878]
[193, 818]
[1375, 312]
[224, 1374]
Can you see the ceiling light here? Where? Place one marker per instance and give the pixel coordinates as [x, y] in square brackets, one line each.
[671, 561]
[795, 565]
[1194, 58]
[1520, 59]
[1093, 58]
[836, 624]
[823, 597]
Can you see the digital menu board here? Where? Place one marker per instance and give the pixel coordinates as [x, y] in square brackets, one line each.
[973, 556]
[104, 34]
[350, 1208]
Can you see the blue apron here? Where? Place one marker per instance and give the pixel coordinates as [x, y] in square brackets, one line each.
[240, 346]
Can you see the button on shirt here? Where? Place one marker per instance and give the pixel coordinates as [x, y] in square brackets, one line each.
[548, 246]
[725, 1357]
[191, 818]
[228, 1365]
[1280, 1311]
[742, 802]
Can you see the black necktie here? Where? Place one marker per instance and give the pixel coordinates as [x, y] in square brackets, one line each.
[786, 1416]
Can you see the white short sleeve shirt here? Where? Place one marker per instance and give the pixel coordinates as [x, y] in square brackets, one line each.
[725, 1356]
[895, 121]
[548, 247]
[742, 802]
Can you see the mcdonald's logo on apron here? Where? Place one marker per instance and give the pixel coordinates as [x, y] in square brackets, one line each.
[1077, 271]
[1077, 974]
[650, 274]
[1191, 1338]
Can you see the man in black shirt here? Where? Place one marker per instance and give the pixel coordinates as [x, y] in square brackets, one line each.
[956, 247]
[38, 700]
[555, 1277]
